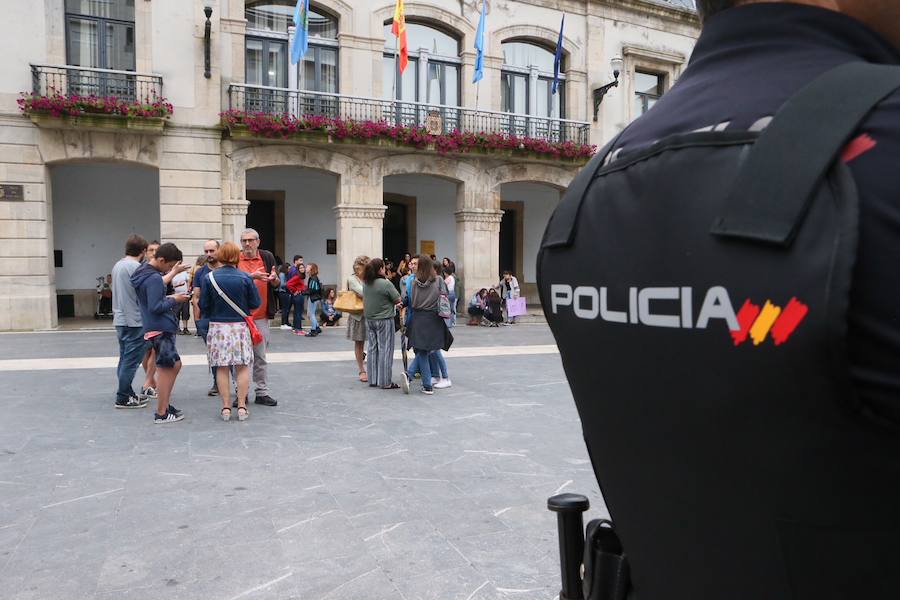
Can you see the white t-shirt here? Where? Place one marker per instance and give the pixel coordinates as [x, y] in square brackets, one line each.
[180, 283]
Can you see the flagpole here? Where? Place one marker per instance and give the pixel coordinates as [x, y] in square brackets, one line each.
[396, 69]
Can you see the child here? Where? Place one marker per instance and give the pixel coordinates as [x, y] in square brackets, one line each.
[297, 287]
[160, 323]
[314, 293]
[331, 315]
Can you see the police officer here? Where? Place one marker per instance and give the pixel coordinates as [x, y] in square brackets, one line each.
[742, 291]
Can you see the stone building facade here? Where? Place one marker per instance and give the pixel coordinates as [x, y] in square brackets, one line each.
[74, 186]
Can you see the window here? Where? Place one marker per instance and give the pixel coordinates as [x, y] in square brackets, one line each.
[268, 57]
[100, 35]
[648, 88]
[522, 60]
[439, 50]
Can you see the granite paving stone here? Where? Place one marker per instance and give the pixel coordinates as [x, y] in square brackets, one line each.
[340, 492]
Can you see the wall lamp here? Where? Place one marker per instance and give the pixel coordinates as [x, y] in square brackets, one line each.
[207, 34]
[616, 64]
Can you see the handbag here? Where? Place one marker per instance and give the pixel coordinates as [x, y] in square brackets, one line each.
[444, 311]
[347, 301]
[255, 335]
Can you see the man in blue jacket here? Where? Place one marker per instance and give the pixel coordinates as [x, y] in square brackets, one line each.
[160, 324]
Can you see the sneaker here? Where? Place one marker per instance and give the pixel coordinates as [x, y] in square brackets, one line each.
[428, 391]
[404, 382]
[174, 411]
[442, 384]
[213, 391]
[312, 333]
[167, 418]
[286, 327]
[186, 331]
[148, 394]
[299, 332]
[265, 400]
[131, 402]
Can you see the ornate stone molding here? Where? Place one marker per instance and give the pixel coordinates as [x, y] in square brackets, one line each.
[360, 211]
[233, 209]
[479, 216]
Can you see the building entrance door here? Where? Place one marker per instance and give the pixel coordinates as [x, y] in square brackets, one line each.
[265, 214]
[395, 232]
[508, 241]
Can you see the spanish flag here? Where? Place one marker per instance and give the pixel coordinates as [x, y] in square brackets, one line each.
[399, 29]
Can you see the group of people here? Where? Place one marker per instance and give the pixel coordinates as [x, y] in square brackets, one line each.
[420, 304]
[302, 291]
[490, 307]
[233, 298]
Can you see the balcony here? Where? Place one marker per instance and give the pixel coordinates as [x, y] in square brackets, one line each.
[95, 99]
[519, 132]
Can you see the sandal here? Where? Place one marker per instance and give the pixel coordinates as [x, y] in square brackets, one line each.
[243, 413]
[226, 414]
[363, 376]
[393, 386]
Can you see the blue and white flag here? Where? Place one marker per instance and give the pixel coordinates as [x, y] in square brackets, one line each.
[301, 35]
[479, 47]
[559, 53]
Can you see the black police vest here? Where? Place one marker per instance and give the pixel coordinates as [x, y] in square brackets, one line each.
[698, 292]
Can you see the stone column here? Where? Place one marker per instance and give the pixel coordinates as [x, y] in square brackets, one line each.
[359, 216]
[478, 247]
[234, 220]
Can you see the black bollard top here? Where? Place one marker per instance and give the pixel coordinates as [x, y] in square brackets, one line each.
[568, 503]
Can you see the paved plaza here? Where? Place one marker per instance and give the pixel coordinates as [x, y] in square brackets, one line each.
[340, 492]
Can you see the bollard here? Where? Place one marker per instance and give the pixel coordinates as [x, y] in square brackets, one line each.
[568, 509]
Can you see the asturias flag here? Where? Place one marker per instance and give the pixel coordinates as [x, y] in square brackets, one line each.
[558, 60]
[479, 47]
[399, 29]
[301, 35]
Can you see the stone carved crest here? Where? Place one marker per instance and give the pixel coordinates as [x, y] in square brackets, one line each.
[434, 124]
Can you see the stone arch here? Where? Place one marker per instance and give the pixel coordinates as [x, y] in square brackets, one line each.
[339, 9]
[556, 177]
[463, 173]
[67, 145]
[543, 36]
[425, 12]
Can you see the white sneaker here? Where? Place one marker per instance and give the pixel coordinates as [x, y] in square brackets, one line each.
[442, 383]
[286, 327]
[404, 382]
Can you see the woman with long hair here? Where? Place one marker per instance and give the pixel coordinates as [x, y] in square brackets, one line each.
[314, 293]
[356, 324]
[228, 341]
[381, 300]
[329, 314]
[427, 331]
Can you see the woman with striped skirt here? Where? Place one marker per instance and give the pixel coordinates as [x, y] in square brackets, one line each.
[380, 302]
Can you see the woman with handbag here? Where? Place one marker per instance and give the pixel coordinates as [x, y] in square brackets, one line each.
[427, 330]
[356, 320]
[381, 300]
[228, 297]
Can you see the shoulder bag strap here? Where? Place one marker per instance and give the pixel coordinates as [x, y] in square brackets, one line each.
[237, 309]
[788, 162]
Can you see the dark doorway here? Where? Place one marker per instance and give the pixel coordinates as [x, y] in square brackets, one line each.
[396, 232]
[508, 241]
[265, 214]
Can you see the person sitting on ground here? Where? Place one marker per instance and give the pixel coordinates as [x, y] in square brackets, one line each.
[329, 314]
[228, 342]
[493, 308]
[476, 307]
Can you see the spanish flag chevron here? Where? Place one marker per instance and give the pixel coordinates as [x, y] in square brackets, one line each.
[399, 30]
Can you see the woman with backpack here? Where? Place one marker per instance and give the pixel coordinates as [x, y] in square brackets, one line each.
[314, 294]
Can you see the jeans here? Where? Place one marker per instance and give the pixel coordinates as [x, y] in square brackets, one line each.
[299, 303]
[131, 351]
[438, 364]
[313, 318]
[424, 368]
[285, 298]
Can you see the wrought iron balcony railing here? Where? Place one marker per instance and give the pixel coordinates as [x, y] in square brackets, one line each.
[435, 117]
[48, 80]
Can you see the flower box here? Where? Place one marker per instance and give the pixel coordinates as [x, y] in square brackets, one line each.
[98, 122]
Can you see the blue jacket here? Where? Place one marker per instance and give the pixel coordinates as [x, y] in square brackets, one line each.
[238, 286]
[156, 308]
